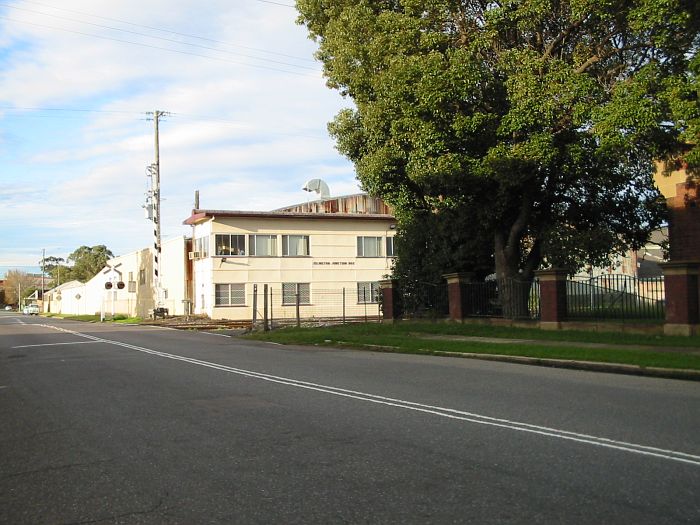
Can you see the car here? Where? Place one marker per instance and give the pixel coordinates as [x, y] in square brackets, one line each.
[8, 308]
[31, 309]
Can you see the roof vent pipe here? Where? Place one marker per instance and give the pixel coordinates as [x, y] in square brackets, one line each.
[318, 186]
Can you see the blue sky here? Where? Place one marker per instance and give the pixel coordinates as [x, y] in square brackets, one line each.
[247, 126]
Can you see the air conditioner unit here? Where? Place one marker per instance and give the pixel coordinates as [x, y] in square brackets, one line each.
[195, 255]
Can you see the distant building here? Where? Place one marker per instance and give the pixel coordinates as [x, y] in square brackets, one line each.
[138, 296]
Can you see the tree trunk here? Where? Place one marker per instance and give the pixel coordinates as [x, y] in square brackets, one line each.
[514, 281]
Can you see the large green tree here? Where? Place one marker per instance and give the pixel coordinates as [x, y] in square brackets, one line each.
[539, 118]
[88, 261]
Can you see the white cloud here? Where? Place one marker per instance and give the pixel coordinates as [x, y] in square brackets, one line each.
[244, 133]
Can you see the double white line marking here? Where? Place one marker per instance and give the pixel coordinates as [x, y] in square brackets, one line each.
[418, 407]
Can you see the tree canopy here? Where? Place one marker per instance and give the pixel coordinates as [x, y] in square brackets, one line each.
[18, 285]
[538, 119]
[87, 262]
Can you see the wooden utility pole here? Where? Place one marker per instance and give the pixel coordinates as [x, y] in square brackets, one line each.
[154, 171]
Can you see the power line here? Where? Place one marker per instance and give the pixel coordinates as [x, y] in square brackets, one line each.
[170, 40]
[201, 118]
[14, 108]
[276, 3]
[245, 64]
[170, 31]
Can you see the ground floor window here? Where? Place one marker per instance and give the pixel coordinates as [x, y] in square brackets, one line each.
[230, 295]
[290, 290]
[368, 292]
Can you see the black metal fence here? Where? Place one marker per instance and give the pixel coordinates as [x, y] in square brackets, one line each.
[615, 296]
[508, 298]
[419, 300]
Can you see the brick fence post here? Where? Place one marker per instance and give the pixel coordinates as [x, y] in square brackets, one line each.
[682, 297]
[458, 297]
[391, 308]
[552, 298]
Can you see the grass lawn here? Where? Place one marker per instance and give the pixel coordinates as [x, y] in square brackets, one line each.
[416, 337]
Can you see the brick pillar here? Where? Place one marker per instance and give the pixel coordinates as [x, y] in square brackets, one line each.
[684, 222]
[682, 297]
[552, 298]
[459, 300]
[391, 310]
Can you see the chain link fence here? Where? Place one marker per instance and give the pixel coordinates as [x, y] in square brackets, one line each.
[274, 307]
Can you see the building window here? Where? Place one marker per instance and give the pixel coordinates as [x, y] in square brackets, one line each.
[263, 245]
[295, 245]
[132, 287]
[389, 246]
[368, 292]
[290, 290]
[369, 246]
[230, 295]
[142, 276]
[230, 244]
[201, 246]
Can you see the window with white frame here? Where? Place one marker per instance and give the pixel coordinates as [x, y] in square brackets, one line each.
[290, 291]
[295, 245]
[390, 246]
[230, 294]
[229, 244]
[201, 245]
[368, 292]
[263, 245]
[369, 246]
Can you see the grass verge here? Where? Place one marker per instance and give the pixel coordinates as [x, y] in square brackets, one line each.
[412, 337]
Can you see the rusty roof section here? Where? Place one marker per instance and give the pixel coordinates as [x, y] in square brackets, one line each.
[360, 206]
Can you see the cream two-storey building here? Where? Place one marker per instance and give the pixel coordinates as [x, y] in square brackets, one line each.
[324, 257]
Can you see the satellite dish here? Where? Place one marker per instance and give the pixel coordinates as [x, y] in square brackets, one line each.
[318, 186]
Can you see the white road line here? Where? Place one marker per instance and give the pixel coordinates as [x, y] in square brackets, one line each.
[449, 413]
[218, 335]
[57, 344]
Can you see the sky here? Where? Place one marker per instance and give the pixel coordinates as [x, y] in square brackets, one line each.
[247, 118]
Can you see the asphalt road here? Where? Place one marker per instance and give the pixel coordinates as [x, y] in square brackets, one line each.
[125, 424]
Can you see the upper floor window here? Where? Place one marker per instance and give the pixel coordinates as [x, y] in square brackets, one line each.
[263, 245]
[295, 245]
[369, 246]
[230, 244]
[389, 246]
[201, 245]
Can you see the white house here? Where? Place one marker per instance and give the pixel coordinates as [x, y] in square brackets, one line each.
[131, 284]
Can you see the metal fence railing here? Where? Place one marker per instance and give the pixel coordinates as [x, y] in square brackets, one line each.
[615, 296]
[507, 298]
[419, 300]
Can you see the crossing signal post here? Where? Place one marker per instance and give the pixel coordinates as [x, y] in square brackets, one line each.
[114, 280]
